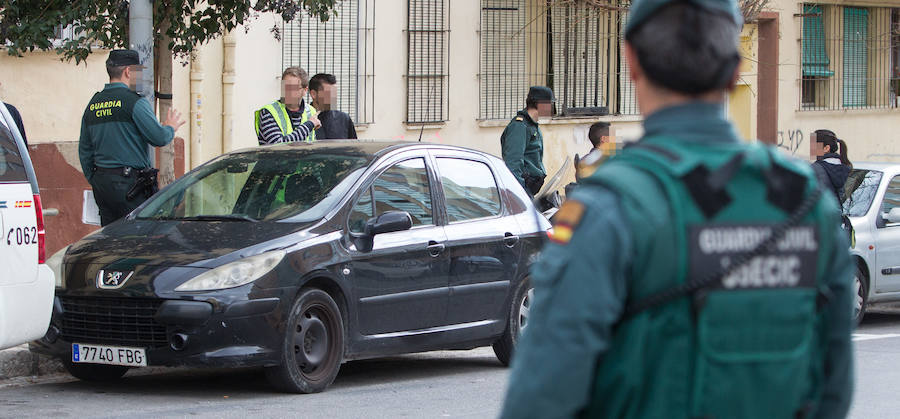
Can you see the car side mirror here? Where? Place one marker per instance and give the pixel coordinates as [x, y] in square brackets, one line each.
[894, 215]
[388, 222]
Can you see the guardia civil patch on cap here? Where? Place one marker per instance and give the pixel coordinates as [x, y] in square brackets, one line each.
[565, 221]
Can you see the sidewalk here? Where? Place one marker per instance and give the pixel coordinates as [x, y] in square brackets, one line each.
[18, 361]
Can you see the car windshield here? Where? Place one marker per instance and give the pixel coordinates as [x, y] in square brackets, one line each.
[860, 189]
[262, 185]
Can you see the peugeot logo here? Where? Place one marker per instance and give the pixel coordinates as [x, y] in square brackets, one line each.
[111, 280]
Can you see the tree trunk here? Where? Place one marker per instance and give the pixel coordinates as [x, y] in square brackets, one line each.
[164, 86]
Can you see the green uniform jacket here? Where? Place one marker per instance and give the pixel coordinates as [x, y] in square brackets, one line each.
[581, 288]
[116, 128]
[523, 147]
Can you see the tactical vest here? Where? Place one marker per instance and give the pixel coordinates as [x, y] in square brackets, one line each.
[111, 105]
[283, 119]
[748, 347]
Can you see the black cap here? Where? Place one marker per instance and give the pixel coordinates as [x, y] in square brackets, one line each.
[540, 94]
[123, 57]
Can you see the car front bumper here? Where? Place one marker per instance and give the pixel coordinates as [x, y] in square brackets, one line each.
[222, 331]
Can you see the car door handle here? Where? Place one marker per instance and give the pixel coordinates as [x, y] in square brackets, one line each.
[435, 249]
[510, 239]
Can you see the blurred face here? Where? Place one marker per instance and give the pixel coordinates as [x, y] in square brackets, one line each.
[817, 149]
[326, 97]
[292, 90]
[545, 109]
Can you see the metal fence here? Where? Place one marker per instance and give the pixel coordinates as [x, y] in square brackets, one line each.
[342, 46]
[574, 48]
[427, 40]
[849, 57]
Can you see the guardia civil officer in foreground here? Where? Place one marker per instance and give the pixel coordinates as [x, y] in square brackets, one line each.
[522, 142]
[659, 296]
[116, 128]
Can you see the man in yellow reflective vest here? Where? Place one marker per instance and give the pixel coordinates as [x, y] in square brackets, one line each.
[288, 119]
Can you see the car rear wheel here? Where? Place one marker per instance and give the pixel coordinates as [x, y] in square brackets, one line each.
[518, 320]
[94, 372]
[861, 286]
[313, 345]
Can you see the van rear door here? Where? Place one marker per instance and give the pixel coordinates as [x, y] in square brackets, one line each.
[25, 294]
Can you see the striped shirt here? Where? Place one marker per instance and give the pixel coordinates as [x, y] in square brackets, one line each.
[271, 134]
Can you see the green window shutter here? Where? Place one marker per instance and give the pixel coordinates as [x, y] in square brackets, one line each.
[815, 58]
[856, 25]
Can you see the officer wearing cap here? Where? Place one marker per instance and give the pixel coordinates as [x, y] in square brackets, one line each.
[522, 143]
[116, 128]
[693, 275]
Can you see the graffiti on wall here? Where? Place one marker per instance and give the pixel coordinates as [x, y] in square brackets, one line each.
[790, 140]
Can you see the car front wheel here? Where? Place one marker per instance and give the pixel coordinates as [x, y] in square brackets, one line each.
[861, 286]
[518, 320]
[313, 345]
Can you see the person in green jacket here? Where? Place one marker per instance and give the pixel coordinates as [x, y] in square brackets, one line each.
[693, 275]
[116, 129]
[522, 143]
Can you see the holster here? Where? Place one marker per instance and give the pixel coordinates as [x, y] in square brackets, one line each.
[146, 184]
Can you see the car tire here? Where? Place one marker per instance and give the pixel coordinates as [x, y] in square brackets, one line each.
[861, 298]
[94, 372]
[518, 319]
[313, 345]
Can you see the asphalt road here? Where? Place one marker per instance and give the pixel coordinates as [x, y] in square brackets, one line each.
[433, 385]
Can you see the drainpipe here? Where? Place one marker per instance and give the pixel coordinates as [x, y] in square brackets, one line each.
[229, 42]
[140, 39]
[196, 109]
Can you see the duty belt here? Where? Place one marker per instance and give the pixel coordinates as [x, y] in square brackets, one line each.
[125, 171]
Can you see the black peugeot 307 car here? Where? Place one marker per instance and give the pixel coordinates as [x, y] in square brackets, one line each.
[299, 257]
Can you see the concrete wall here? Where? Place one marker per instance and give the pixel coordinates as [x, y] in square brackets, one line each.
[871, 134]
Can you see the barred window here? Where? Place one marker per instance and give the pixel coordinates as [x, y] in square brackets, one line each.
[342, 46]
[849, 57]
[574, 48]
[427, 40]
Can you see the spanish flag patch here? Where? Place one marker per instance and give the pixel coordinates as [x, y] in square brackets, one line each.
[566, 219]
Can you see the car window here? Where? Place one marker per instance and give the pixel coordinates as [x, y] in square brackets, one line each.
[469, 189]
[261, 186]
[403, 187]
[891, 196]
[860, 188]
[12, 168]
[362, 211]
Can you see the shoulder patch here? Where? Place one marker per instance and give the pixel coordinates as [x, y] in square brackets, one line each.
[519, 118]
[566, 219]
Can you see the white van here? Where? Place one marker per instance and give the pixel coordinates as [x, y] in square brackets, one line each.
[26, 283]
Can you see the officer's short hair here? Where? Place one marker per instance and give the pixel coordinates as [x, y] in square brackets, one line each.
[315, 83]
[115, 72]
[597, 131]
[298, 73]
[687, 49]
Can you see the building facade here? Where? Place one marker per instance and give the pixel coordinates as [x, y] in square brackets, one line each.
[456, 73]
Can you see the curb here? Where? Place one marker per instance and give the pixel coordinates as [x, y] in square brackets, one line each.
[19, 361]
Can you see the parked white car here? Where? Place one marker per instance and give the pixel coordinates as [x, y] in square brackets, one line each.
[26, 283]
[873, 207]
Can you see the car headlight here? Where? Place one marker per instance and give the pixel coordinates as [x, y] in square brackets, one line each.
[234, 274]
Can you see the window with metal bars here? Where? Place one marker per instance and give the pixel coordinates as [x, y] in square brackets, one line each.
[575, 48]
[849, 57]
[342, 46]
[427, 40]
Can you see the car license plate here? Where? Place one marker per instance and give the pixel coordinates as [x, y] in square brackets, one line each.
[109, 355]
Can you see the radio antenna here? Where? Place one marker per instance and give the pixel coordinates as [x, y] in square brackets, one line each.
[422, 131]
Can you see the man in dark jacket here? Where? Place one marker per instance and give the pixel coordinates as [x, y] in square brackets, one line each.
[522, 142]
[336, 125]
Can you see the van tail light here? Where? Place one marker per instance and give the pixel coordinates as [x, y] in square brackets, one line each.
[41, 234]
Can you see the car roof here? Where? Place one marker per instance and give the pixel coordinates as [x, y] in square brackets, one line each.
[370, 148]
[880, 166]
